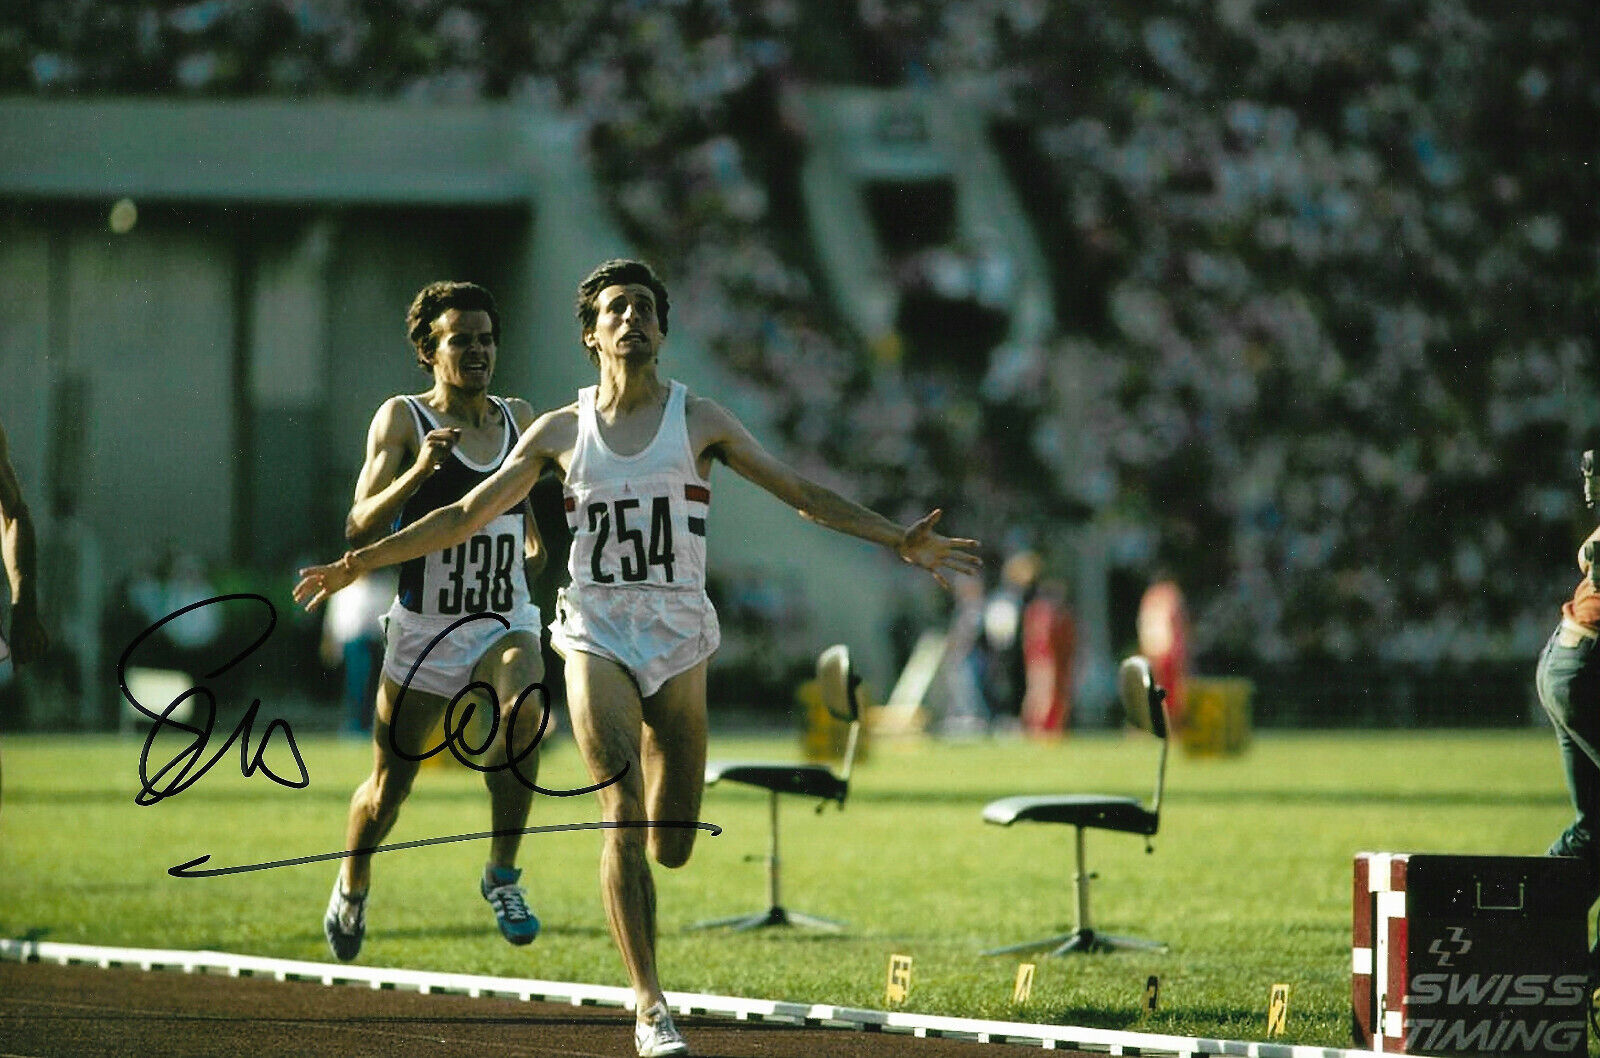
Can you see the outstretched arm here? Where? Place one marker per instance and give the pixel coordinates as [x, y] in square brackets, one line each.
[438, 529]
[727, 439]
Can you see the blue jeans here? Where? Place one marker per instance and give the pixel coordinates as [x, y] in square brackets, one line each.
[1568, 681]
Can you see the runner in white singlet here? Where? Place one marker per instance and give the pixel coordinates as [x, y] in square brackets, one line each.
[637, 451]
[638, 558]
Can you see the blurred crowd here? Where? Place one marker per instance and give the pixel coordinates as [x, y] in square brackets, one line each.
[1325, 281]
[1343, 271]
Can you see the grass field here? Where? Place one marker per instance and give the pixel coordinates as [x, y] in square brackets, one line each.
[1249, 882]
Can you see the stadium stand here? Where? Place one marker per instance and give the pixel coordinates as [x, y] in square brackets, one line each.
[1324, 281]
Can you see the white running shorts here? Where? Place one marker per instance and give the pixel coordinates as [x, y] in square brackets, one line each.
[448, 664]
[654, 634]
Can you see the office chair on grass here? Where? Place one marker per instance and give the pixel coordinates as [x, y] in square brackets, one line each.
[838, 686]
[1144, 703]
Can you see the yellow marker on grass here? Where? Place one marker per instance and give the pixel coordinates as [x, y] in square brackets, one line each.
[899, 980]
[1278, 1010]
[1024, 986]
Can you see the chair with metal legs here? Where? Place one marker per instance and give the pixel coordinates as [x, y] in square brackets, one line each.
[839, 694]
[1144, 703]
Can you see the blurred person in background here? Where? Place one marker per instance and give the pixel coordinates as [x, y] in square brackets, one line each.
[173, 580]
[426, 451]
[634, 626]
[26, 640]
[1568, 681]
[1004, 677]
[1049, 643]
[1164, 640]
[352, 641]
[961, 666]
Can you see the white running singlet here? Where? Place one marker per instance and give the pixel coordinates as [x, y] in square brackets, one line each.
[638, 559]
[637, 520]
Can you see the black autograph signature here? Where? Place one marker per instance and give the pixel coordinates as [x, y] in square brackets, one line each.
[189, 769]
[154, 788]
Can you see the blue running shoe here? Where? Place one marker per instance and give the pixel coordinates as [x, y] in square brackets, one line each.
[345, 923]
[499, 886]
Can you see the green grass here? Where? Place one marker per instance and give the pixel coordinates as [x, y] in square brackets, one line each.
[1249, 882]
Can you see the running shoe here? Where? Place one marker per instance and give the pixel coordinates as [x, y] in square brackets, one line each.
[655, 1036]
[345, 923]
[499, 886]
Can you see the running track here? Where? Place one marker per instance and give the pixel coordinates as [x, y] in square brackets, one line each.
[55, 1011]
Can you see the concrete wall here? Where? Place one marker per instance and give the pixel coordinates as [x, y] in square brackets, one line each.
[141, 328]
[117, 354]
[27, 361]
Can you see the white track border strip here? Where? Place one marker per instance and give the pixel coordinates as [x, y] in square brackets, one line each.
[1048, 1037]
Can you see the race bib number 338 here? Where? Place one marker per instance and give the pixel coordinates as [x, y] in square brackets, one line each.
[475, 575]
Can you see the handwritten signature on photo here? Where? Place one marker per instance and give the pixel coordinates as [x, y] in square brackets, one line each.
[191, 763]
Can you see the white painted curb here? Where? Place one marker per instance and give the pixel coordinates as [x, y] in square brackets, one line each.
[1048, 1037]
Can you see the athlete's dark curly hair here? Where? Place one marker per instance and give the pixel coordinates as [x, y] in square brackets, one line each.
[619, 271]
[433, 301]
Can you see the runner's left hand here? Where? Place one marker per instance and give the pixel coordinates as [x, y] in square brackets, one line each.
[936, 553]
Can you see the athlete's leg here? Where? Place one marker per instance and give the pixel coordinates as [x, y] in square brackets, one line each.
[673, 755]
[375, 806]
[607, 718]
[511, 666]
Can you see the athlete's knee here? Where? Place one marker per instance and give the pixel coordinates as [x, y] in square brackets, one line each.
[521, 664]
[626, 820]
[390, 784]
[511, 781]
[626, 844]
[671, 847]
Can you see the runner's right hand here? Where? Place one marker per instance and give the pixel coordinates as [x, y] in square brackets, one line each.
[436, 448]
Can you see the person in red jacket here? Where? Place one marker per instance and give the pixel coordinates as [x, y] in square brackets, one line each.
[1164, 640]
[1049, 640]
